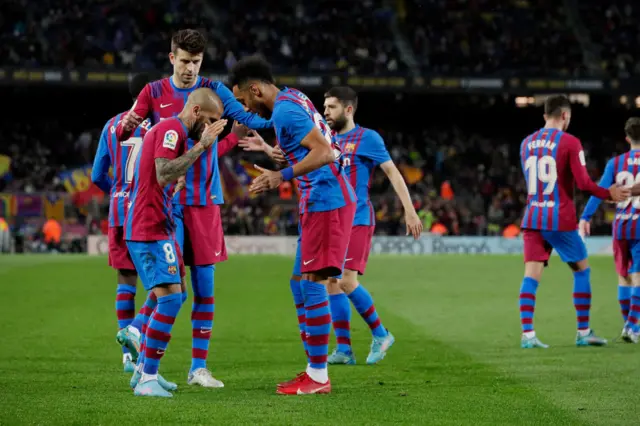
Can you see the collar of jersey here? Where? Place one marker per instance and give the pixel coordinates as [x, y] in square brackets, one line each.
[173, 86]
[357, 126]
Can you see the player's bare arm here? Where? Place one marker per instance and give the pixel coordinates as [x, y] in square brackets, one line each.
[168, 171]
[320, 154]
[413, 222]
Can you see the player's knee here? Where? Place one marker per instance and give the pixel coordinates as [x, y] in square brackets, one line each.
[334, 286]
[579, 266]
[533, 270]
[634, 279]
[626, 281]
[349, 281]
[127, 276]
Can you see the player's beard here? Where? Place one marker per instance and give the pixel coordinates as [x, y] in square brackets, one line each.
[196, 131]
[263, 111]
[339, 123]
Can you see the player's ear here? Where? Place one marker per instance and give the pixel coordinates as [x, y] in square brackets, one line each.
[628, 140]
[254, 89]
[196, 110]
[172, 58]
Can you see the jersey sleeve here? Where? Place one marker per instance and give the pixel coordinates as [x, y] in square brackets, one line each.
[169, 143]
[102, 162]
[605, 181]
[578, 165]
[374, 148]
[142, 107]
[235, 110]
[227, 144]
[291, 122]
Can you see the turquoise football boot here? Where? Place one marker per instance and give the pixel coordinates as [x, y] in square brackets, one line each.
[531, 342]
[128, 365]
[341, 358]
[590, 340]
[151, 388]
[129, 340]
[166, 385]
[379, 348]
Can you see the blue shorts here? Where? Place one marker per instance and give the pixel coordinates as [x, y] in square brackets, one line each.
[626, 254]
[538, 245]
[177, 214]
[157, 262]
[297, 263]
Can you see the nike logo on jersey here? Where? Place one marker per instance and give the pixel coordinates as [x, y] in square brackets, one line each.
[305, 263]
[218, 253]
[346, 260]
[165, 105]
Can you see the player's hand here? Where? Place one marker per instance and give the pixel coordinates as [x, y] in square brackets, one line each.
[278, 157]
[266, 181]
[252, 142]
[239, 130]
[584, 228]
[182, 182]
[130, 121]
[618, 193]
[414, 224]
[211, 132]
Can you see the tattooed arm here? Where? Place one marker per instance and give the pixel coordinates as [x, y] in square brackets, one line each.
[168, 171]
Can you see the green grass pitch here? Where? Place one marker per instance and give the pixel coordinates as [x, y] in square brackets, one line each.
[456, 360]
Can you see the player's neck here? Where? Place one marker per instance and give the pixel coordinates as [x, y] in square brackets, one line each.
[180, 85]
[635, 147]
[348, 127]
[554, 124]
[270, 95]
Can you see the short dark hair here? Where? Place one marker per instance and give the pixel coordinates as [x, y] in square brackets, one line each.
[192, 41]
[345, 94]
[554, 105]
[137, 83]
[253, 67]
[632, 129]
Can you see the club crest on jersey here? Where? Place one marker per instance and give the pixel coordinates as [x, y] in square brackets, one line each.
[350, 147]
[172, 269]
[170, 139]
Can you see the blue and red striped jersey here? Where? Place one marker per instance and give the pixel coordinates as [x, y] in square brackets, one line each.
[161, 99]
[149, 215]
[623, 170]
[323, 189]
[553, 162]
[121, 157]
[362, 150]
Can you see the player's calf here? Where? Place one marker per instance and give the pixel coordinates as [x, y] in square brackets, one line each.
[341, 319]
[126, 309]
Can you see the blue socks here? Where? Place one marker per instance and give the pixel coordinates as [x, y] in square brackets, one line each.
[202, 314]
[341, 317]
[159, 331]
[528, 291]
[582, 297]
[318, 323]
[125, 306]
[363, 302]
[624, 298]
[298, 300]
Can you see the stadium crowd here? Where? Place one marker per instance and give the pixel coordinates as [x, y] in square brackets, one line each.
[460, 36]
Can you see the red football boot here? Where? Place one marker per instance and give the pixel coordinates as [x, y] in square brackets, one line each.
[304, 385]
[297, 379]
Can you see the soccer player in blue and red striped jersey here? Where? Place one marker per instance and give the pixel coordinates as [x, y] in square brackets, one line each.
[197, 202]
[553, 162]
[149, 225]
[624, 170]
[327, 203]
[121, 155]
[362, 151]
